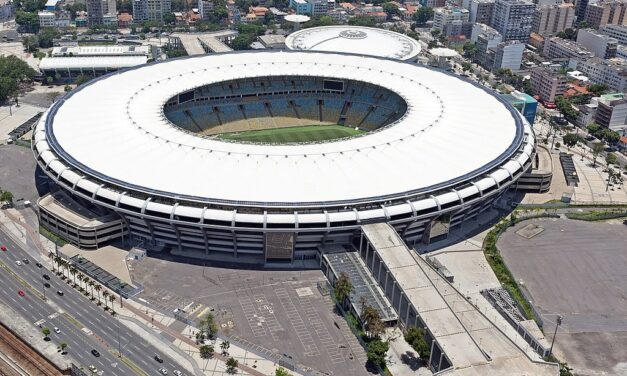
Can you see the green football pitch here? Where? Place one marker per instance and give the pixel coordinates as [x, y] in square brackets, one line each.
[308, 133]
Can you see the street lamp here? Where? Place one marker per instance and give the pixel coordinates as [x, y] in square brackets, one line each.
[43, 288]
[557, 324]
[119, 345]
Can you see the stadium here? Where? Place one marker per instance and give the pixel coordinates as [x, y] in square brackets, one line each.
[271, 156]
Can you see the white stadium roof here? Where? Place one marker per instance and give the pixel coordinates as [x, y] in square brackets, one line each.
[114, 129]
[355, 39]
[91, 62]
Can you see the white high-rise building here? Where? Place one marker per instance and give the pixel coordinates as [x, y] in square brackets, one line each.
[513, 19]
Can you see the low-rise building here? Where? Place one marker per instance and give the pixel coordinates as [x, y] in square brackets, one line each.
[601, 45]
[54, 19]
[610, 72]
[524, 103]
[548, 83]
[271, 41]
[557, 48]
[536, 41]
[125, 20]
[612, 112]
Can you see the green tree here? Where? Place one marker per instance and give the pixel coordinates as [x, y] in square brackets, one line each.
[343, 288]
[416, 337]
[28, 21]
[566, 108]
[30, 43]
[206, 351]
[469, 50]
[391, 9]
[611, 159]
[598, 89]
[6, 196]
[81, 79]
[372, 320]
[67, 88]
[49, 80]
[571, 140]
[169, 19]
[63, 346]
[242, 42]
[597, 148]
[209, 325]
[73, 9]
[281, 372]
[610, 136]
[367, 21]
[46, 36]
[46, 332]
[422, 15]
[376, 352]
[318, 21]
[231, 364]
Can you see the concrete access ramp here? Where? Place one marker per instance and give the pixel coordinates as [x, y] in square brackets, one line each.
[463, 340]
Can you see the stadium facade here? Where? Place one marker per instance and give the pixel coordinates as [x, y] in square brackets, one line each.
[142, 143]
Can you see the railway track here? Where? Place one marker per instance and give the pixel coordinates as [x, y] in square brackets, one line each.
[24, 355]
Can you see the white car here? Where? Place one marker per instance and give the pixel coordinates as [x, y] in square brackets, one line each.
[57, 330]
[18, 263]
[163, 371]
[176, 372]
[93, 369]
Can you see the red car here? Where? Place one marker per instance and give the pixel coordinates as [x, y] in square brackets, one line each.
[21, 293]
[3, 248]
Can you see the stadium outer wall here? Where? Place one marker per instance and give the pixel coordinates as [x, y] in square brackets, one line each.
[241, 234]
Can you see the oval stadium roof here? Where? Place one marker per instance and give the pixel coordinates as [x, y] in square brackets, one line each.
[114, 129]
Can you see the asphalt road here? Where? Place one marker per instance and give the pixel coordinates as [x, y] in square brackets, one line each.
[85, 317]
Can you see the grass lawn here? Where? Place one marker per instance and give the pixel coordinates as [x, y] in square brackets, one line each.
[308, 133]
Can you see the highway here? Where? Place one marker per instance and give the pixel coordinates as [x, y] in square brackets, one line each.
[84, 326]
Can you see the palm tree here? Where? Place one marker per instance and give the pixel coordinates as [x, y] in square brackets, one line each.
[73, 274]
[80, 280]
[98, 288]
[106, 295]
[225, 347]
[86, 280]
[91, 285]
[63, 346]
[112, 299]
[51, 257]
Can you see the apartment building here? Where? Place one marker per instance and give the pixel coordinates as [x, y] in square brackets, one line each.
[601, 45]
[558, 48]
[513, 19]
[451, 21]
[151, 10]
[618, 32]
[508, 55]
[480, 11]
[552, 19]
[612, 112]
[606, 12]
[611, 72]
[548, 83]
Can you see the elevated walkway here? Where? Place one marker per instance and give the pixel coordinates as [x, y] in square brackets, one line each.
[464, 341]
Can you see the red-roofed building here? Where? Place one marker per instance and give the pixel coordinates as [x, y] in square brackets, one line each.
[124, 20]
[258, 11]
[574, 90]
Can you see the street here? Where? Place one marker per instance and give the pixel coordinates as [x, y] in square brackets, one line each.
[84, 326]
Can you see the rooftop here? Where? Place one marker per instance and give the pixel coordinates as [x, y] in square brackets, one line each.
[102, 62]
[355, 39]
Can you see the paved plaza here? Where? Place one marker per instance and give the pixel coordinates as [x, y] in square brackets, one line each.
[576, 269]
[270, 312]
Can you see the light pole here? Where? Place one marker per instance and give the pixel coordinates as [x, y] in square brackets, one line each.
[119, 345]
[557, 324]
[43, 288]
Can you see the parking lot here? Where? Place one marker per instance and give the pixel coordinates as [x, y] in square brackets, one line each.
[269, 312]
[576, 269]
